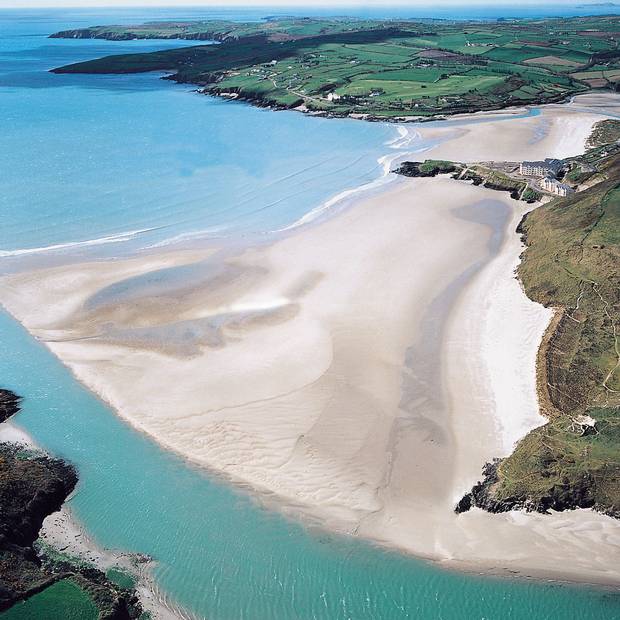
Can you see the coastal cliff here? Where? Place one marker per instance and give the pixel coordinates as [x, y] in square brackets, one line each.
[125, 35]
[34, 485]
[31, 488]
[570, 264]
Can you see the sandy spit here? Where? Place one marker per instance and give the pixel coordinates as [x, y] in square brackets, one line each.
[360, 369]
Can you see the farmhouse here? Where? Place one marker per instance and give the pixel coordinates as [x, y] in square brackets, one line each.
[552, 185]
[549, 167]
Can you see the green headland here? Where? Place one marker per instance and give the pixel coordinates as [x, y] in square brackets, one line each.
[378, 68]
[572, 264]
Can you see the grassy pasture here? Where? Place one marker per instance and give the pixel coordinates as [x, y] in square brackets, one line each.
[450, 86]
[64, 600]
[378, 67]
[554, 61]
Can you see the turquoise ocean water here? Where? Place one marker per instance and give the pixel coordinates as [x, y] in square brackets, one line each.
[103, 157]
[85, 158]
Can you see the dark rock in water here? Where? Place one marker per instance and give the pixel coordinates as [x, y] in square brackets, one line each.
[9, 404]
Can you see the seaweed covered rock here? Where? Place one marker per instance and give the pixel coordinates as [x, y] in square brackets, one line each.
[9, 404]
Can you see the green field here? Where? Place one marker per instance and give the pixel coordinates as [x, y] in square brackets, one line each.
[378, 68]
[64, 600]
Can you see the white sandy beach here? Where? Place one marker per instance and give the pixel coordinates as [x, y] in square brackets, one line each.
[359, 370]
[558, 131]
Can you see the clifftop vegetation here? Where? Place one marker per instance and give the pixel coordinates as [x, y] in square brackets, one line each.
[572, 264]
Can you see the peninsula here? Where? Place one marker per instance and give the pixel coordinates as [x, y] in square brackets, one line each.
[383, 69]
[571, 264]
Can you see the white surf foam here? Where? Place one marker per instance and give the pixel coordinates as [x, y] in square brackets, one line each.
[125, 236]
[406, 137]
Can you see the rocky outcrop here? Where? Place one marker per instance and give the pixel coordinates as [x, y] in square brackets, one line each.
[9, 404]
[477, 175]
[564, 496]
[31, 488]
[427, 169]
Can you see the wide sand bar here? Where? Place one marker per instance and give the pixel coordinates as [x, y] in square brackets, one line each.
[359, 370]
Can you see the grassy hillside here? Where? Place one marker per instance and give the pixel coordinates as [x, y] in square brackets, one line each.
[572, 263]
[378, 68]
[275, 29]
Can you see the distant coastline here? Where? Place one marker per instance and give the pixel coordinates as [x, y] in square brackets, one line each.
[597, 4]
[376, 70]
